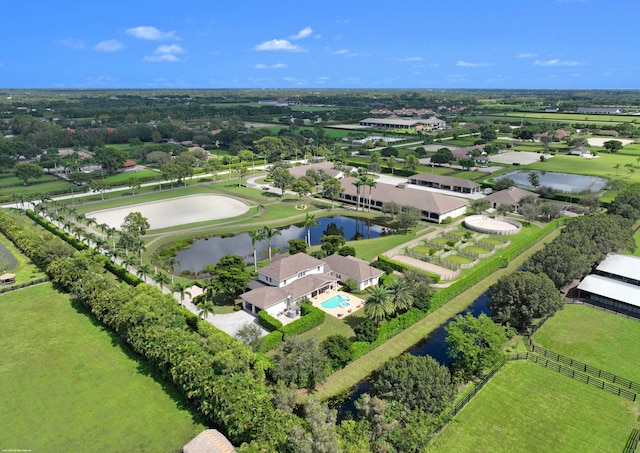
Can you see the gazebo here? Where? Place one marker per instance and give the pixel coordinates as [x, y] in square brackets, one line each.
[7, 279]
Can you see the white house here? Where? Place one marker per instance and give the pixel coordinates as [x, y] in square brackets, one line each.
[288, 280]
[351, 268]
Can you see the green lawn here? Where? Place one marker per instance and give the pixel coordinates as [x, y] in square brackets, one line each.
[458, 259]
[603, 166]
[477, 250]
[636, 236]
[25, 270]
[68, 384]
[528, 408]
[598, 338]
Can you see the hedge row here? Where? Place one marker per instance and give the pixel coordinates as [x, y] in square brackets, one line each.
[37, 281]
[49, 226]
[313, 318]
[115, 269]
[268, 322]
[269, 341]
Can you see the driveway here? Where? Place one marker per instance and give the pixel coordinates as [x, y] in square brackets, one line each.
[232, 322]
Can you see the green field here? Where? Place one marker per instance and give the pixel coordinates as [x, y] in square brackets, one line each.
[69, 385]
[528, 408]
[601, 339]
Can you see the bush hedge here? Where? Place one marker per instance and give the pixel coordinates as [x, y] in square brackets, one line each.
[269, 341]
[396, 266]
[268, 322]
[313, 318]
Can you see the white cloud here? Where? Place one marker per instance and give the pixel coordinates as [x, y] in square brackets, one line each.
[467, 64]
[408, 59]
[166, 58]
[172, 49]
[150, 33]
[345, 52]
[273, 66]
[556, 62]
[72, 43]
[278, 44]
[165, 54]
[526, 55]
[110, 45]
[304, 33]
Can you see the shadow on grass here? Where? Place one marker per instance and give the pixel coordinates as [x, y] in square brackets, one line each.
[143, 367]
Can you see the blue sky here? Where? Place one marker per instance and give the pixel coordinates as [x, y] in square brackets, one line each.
[320, 44]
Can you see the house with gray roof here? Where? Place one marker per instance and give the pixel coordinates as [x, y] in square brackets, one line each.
[287, 280]
[394, 122]
[351, 268]
[509, 197]
[326, 167]
[434, 207]
[451, 183]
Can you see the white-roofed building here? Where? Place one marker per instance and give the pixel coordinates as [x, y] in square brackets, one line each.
[615, 285]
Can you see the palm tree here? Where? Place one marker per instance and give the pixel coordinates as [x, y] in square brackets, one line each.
[171, 262]
[111, 234]
[357, 183]
[371, 183]
[181, 289]
[129, 261]
[378, 305]
[400, 294]
[144, 270]
[255, 235]
[616, 168]
[269, 233]
[310, 221]
[210, 289]
[205, 308]
[161, 279]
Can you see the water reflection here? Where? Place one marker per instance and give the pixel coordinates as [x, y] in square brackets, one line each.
[209, 251]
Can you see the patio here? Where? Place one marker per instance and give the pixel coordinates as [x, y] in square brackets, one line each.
[356, 303]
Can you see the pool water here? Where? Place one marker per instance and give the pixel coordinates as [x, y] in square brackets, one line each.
[336, 301]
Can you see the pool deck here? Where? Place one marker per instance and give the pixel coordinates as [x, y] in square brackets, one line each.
[338, 312]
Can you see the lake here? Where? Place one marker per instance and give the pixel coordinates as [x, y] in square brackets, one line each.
[560, 182]
[209, 251]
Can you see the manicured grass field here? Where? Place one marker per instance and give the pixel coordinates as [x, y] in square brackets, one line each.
[528, 408]
[475, 249]
[458, 259]
[598, 338]
[603, 165]
[68, 385]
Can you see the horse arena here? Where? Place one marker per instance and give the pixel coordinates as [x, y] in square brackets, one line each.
[175, 211]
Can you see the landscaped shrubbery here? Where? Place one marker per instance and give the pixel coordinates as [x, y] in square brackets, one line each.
[313, 318]
[268, 322]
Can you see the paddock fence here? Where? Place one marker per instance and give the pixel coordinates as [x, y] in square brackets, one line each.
[575, 374]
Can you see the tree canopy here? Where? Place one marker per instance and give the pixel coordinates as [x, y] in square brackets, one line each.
[519, 298]
[475, 344]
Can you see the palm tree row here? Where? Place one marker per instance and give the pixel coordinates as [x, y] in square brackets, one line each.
[258, 235]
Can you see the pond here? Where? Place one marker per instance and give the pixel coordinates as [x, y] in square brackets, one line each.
[560, 182]
[209, 251]
[434, 345]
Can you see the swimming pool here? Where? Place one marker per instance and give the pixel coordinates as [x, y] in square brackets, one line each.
[336, 301]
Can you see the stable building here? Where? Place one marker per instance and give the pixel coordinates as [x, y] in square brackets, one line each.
[394, 122]
[509, 197]
[434, 207]
[450, 183]
[615, 285]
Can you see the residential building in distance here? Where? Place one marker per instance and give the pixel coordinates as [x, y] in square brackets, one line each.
[509, 197]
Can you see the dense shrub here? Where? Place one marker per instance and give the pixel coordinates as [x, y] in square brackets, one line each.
[315, 317]
[269, 341]
[268, 322]
[338, 349]
[366, 331]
